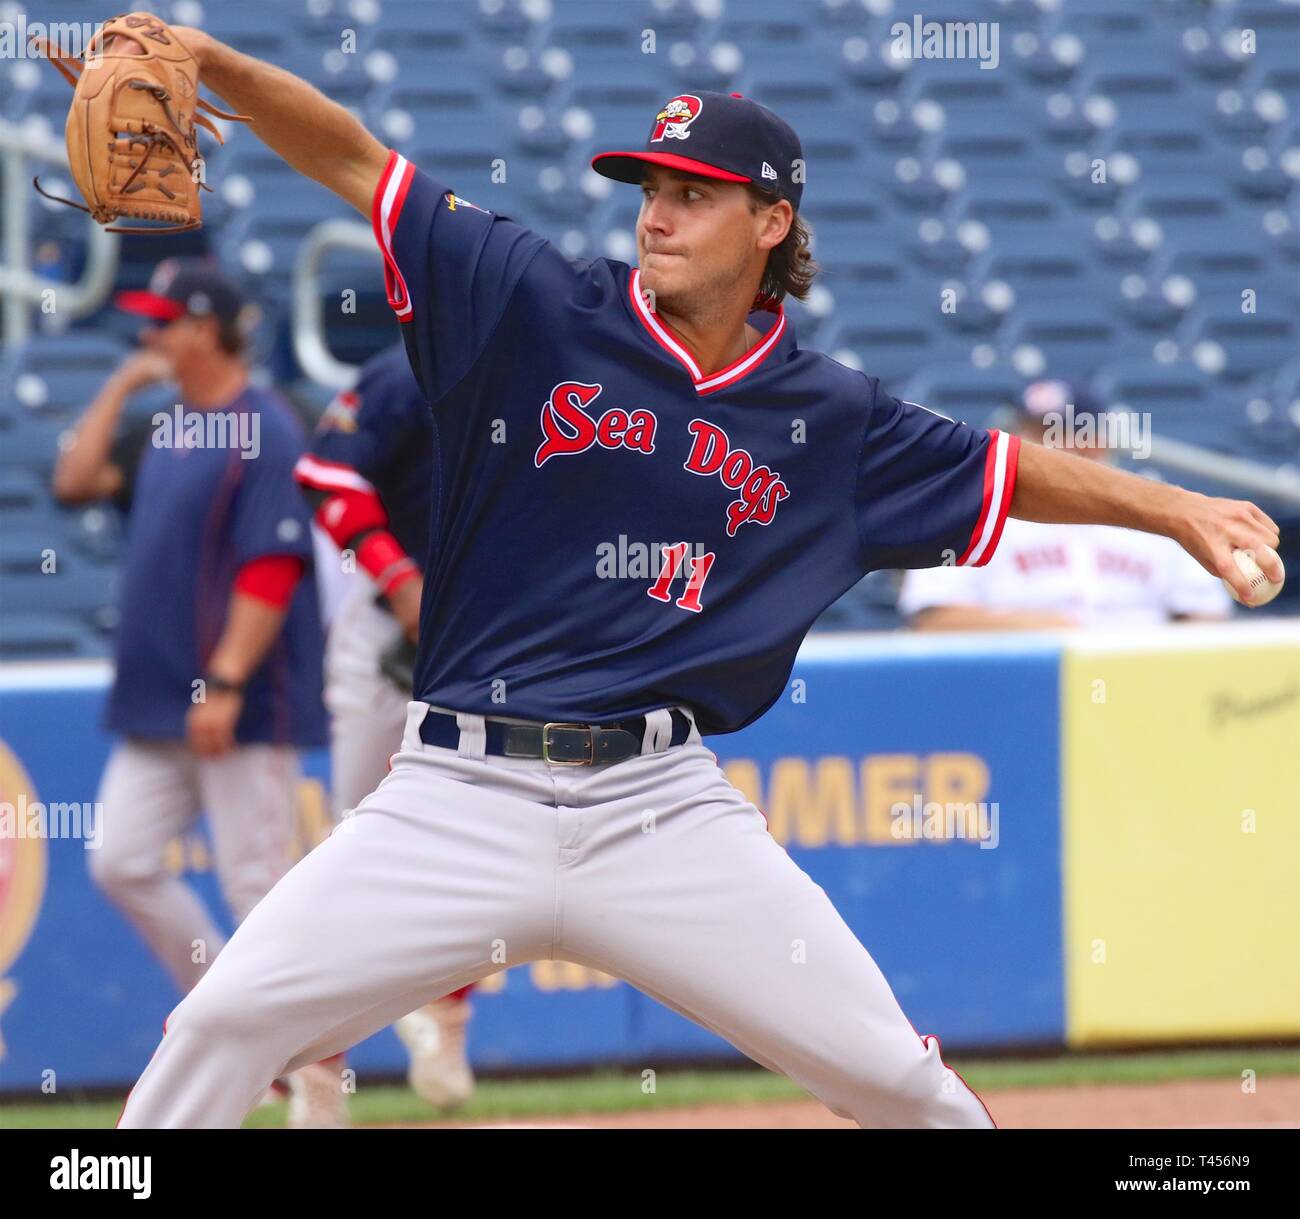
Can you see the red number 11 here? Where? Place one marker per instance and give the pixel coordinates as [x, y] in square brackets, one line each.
[674, 556]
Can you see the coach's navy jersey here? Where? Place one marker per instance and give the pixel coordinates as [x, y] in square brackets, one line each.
[378, 436]
[198, 514]
[618, 530]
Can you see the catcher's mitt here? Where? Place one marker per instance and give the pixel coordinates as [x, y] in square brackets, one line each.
[131, 132]
[397, 663]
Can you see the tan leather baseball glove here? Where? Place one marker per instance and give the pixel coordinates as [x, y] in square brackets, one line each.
[132, 129]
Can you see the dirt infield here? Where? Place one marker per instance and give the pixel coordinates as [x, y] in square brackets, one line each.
[1181, 1103]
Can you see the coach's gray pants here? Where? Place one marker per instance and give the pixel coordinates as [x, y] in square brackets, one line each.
[655, 870]
[152, 793]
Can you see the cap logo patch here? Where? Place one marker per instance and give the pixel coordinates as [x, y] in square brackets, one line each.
[674, 120]
[769, 172]
[163, 275]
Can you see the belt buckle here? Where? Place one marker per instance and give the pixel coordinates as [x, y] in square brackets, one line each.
[546, 746]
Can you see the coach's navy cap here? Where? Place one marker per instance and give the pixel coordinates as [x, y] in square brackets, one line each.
[180, 287]
[717, 135]
[1041, 398]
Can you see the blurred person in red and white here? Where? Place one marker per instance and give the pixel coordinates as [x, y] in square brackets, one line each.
[1045, 577]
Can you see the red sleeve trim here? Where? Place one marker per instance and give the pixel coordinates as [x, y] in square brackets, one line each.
[385, 212]
[403, 572]
[384, 560]
[322, 475]
[271, 578]
[1001, 460]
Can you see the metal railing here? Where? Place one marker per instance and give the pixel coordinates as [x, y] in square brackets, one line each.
[21, 290]
[1248, 477]
[309, 342]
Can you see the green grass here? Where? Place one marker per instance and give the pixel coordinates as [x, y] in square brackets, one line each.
[615, 1091]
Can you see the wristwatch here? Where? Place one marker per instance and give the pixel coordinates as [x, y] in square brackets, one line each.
[216, 682]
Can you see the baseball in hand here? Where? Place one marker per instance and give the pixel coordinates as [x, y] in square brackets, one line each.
[1262, 589]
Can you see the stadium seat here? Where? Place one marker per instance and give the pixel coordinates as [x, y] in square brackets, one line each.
[891, 346]
[1276, 28]
[960, 390]
[21, 491]
[592, 30]
[250, 26]
[501, 21]
[1044, 264]
[1245, 116]
[784, 78]
[771, 21]
[430, 33]
[986, 134]
[1181, 204]
[48, 636]
[74, 350]
[1146, 384]
[27, 441]
[74, 585]
[1237, 345]
[1160, 139]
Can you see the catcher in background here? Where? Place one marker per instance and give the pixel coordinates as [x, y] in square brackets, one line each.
[218, 596]
[369, 476]
[1048, 576]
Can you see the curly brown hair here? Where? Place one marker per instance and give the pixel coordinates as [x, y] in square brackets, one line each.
[791, 267]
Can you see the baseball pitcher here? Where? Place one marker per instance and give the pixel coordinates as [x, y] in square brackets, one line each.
[553, 797]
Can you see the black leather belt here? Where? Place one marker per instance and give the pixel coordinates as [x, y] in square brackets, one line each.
[563, 744]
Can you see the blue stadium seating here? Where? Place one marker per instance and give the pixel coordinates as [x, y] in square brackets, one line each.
[72, 584]
[922, 175]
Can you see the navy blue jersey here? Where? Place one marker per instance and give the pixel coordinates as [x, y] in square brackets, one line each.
[198, 514]
[577, 437]
[378, 436]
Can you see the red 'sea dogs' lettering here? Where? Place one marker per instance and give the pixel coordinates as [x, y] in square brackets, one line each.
[568, 428]
[760, 488]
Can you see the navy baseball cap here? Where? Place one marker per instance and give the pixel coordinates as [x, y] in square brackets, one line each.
[1051, 397]
[717, 135]
[183, 287]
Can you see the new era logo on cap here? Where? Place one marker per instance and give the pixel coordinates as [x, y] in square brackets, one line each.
[723, 136]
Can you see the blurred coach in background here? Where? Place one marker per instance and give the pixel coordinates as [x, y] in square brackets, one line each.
[218, 650]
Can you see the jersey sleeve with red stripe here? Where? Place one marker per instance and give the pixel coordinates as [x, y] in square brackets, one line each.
[931, 491]
[450, 269]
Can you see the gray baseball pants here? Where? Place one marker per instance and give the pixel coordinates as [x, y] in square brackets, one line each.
[655, 870]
